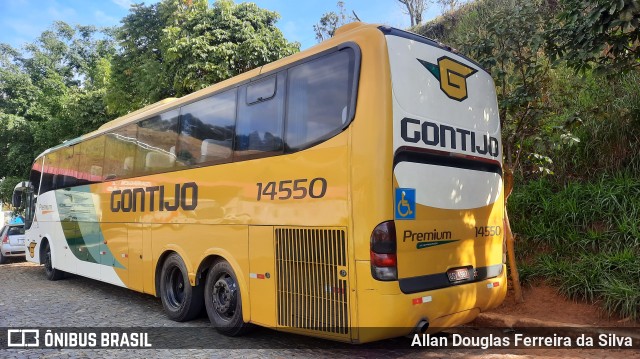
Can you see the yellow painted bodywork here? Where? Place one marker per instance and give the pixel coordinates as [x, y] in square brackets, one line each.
[230, 222]
[468, 249]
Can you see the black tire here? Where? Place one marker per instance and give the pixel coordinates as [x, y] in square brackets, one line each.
[180, 300]
[50, 272]
[223, 300]
[3, 259]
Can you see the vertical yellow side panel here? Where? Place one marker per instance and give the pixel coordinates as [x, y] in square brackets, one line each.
[136, 272]
[149, 278]
[262, 290]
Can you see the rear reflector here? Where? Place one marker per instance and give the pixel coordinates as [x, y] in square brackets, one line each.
[421, 300]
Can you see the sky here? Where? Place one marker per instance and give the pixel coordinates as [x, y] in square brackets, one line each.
[22, 21]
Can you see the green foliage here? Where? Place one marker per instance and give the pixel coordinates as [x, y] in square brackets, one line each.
[505, 36]
[207, 45]
[7, 184]
[16, 146]
[139, 71]
[604, 34]
[604, 114]
[583, 237]
[44, 91]
[176, 47]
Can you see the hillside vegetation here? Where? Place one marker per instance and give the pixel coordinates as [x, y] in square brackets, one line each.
[568, 81]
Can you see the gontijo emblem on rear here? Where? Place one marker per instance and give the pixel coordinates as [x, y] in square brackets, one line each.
[452, 76]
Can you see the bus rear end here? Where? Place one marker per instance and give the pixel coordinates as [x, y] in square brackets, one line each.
[442, 255]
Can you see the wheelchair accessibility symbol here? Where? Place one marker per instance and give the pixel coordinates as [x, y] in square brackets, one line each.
[405, 203]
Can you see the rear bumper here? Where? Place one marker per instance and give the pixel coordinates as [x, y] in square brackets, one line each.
[385, 312]
[9, 250]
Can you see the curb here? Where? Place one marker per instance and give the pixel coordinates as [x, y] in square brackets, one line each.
[489, 320]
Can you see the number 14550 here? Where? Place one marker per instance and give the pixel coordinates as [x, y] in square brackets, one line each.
[296, 189]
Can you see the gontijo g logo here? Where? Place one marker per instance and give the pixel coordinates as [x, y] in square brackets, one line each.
[452, 76]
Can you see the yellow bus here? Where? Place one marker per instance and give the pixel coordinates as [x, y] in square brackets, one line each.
[352, 191]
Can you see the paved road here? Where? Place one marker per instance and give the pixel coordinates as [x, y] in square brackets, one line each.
[27, 299]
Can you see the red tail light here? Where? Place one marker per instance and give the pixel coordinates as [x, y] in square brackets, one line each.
[5, 239]
[384, 262]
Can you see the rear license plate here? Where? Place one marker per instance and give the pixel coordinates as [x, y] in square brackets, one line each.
[458, 274]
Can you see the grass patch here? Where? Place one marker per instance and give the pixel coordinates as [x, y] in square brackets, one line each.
[583, 238]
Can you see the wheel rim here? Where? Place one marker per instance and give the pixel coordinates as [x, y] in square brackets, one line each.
[225, 296]
[175, 287]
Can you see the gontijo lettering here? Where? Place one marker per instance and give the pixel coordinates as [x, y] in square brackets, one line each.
[432, 134]
[185, 197]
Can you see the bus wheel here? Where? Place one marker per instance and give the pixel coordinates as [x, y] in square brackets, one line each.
[180, 300]
[49, 271]
[222, 300]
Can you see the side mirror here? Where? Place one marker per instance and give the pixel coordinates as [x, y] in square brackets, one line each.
[16, 201]
[18, 192]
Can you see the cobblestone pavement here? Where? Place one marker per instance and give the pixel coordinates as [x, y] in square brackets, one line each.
[27, 299]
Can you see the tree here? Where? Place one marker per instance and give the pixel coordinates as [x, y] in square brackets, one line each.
[175, 47]
[507, 39]
[7, 184]
[331, 21]
[415, 8]
[450, 5]
[16, 146]
[139, 70]
[601, 34]
[205, 45]
[44, 92]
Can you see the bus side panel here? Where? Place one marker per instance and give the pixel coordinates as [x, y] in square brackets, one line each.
[190, 241]
[136, 273]
[262, 278]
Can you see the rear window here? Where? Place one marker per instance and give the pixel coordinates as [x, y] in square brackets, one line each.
[320, 93]
[15, 230]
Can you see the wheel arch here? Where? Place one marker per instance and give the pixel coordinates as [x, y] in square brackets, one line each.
[217, 254]
[43, 241]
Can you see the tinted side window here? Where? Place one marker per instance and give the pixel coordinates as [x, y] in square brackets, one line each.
[120, 150]
[156, 147]
[49, 175]
[91, 158]
[207, 126]
[34, 176]
[260, 124]
[261, 90]
[319, 99]
[68, 168]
